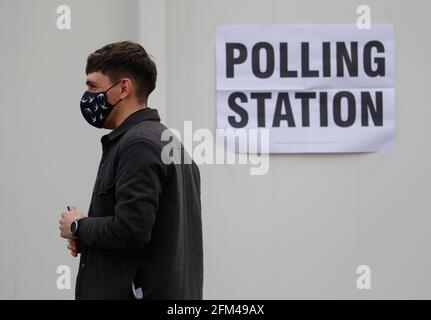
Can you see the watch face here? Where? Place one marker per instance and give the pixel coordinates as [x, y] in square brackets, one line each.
[73, 227]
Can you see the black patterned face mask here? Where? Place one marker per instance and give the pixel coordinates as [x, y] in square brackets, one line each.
[95, 107]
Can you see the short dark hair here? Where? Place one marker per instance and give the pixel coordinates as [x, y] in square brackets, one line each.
[125, 58]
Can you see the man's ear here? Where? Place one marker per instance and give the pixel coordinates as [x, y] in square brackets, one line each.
[126, 88]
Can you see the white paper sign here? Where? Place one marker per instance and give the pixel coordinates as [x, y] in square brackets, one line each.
[317, 88]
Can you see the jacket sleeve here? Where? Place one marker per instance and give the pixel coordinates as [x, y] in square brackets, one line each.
[139, 179]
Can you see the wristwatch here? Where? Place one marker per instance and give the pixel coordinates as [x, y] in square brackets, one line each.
[74, 227]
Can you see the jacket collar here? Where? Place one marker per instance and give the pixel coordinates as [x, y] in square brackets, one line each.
[138, 116]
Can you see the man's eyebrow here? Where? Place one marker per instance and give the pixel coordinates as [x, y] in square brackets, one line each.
[90, 83]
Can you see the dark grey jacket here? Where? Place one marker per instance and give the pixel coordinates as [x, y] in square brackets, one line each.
[144, 222]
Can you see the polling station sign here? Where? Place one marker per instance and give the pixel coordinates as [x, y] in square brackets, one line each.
[316, 88]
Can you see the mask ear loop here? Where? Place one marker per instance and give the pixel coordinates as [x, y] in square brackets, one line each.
[112, 86]
[106, 93]
[119, 100]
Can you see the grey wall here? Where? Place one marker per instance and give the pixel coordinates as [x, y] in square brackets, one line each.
[298, 232]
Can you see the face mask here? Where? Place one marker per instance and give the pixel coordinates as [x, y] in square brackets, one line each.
[95, 107]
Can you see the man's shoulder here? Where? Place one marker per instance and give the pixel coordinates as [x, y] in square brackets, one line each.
[146, 132]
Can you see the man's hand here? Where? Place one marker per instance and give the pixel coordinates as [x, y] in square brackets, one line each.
[72, 245]
[66, 220]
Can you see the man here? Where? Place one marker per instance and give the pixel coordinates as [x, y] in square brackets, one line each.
[143, 234]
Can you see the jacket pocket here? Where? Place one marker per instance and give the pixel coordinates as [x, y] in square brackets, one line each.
[104, 199]
[106, 188]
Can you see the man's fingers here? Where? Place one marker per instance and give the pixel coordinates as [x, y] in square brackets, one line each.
[71, 244]
[72, 247]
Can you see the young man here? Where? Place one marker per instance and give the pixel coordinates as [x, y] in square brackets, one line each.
[143, 234]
